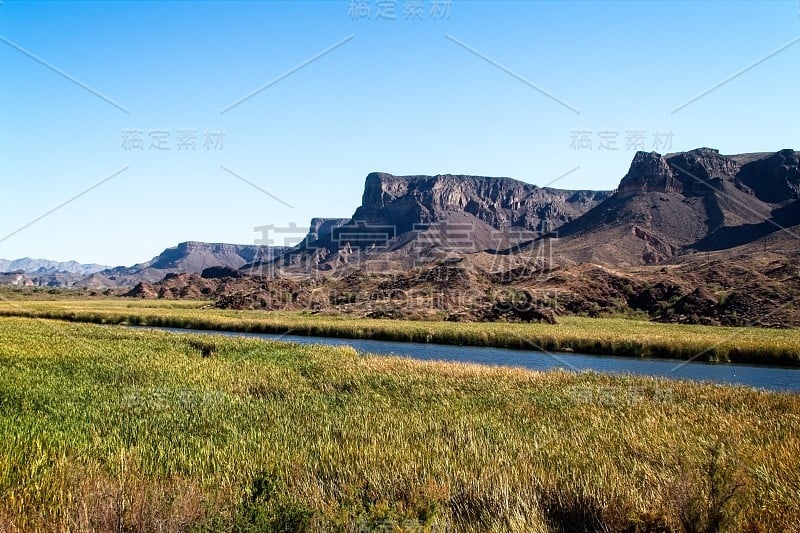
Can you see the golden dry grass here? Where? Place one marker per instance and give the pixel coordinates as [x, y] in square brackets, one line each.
[603, 336]
[104, 429]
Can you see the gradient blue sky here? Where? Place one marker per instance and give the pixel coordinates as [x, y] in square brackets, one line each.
[398, 97]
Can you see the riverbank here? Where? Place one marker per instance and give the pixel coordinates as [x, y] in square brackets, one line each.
[112, 428]
[599, 336]
[771, 378]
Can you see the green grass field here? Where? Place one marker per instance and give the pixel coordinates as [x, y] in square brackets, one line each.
[112, 429]
[603, 336]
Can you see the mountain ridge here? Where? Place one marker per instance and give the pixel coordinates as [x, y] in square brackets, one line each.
[499, 201]
[49, 266]
[665, 206]
[698, 200]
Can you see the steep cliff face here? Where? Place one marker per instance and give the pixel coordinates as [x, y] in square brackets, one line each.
[693, 173]
[320, 227]
[695, 200]
[403, 201]
[649, 172]
[772, 178]
[321, 231]
[775, 178]
[703, 170]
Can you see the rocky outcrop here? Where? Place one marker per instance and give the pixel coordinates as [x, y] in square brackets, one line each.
[221, 272]
[657, 249]
[775, 178]
[703, 170]
[692, 173]
[689, 201]
[16, 278]
[323, 234]
[403, 201]
[649, 172]
[322, 228]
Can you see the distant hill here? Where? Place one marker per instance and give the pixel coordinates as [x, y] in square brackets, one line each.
[187, 257]
[46, 266]
[44, 272]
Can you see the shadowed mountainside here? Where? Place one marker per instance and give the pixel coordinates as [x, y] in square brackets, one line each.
[671, 205]
[683, 239]
[670, 218]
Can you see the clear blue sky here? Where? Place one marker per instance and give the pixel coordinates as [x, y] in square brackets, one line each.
[399, 96]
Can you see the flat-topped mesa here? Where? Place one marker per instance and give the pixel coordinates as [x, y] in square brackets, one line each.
[705, 163]
[402, 201]
[195, 246]
[204, 254]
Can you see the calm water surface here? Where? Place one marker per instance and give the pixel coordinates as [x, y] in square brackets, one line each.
[771, 378]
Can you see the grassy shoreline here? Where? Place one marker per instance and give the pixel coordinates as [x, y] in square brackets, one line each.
[119, 429]
[595, 336]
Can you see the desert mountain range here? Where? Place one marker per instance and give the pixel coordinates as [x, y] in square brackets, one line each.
[694, 236]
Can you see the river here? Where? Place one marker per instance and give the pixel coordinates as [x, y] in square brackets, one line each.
[768, 378]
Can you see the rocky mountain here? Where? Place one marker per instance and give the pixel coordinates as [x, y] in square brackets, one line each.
[188, 257]
[666, 207]
[44, 272]
[742, 286]
[403, 201]
[402, 218]
[699, 200]
[680, 240]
